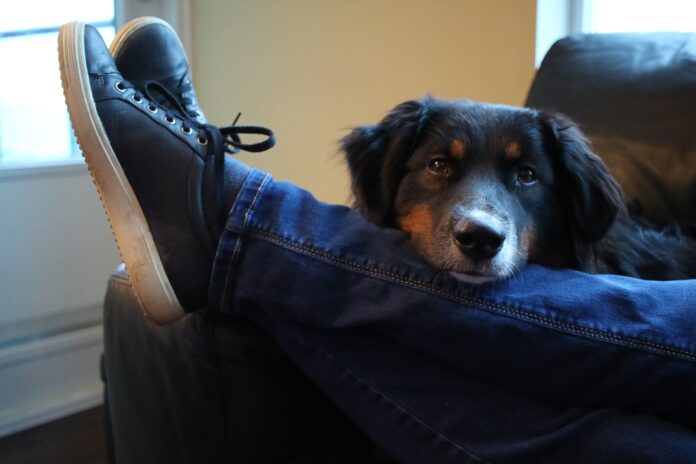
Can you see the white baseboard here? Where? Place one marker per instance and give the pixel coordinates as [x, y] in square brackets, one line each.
[49, 378]
[50, 410]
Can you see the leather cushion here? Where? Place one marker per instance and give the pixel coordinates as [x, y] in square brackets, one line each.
[635, 97]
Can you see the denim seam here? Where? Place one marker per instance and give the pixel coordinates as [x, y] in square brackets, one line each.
[238, 241]
[459, 448]
[217, 255]
[634, 343]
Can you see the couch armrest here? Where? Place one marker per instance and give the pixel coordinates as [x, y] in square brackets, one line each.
[211, 389]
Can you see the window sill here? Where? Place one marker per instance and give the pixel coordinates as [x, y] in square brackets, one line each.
[47, 169]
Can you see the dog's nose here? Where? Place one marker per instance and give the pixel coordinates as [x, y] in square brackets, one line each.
[479, 240]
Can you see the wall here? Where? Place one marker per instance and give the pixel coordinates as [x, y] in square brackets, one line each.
[56, 253]
[57, 249]
[312, 69]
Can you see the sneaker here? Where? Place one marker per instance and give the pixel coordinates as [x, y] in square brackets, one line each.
[149, 54]
[159, 175]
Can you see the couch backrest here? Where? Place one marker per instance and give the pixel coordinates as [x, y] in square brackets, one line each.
[635, 97]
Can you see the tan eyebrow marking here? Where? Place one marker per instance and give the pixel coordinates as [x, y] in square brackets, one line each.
[457, 148]
[513, 150]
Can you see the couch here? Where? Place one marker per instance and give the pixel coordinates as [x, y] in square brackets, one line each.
[210, 388]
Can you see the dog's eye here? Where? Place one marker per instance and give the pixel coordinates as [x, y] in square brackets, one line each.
[440, 166]
[526, 175]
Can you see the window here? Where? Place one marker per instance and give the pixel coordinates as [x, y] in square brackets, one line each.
[34, 125]
[640, 16]
[558, 18]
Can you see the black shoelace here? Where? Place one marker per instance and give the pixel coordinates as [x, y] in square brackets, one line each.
[220, 140]
[178, 86]
[227, 140]
[160, 94]
[231, 134]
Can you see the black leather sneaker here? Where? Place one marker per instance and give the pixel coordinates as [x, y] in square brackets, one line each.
[149, 54]
[158, 174]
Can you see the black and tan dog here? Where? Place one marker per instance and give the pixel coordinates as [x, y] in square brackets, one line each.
[483, 189]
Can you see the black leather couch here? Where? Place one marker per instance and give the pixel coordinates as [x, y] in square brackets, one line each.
[635, 98]
[212, 389]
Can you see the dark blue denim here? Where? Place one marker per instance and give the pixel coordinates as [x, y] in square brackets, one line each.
[547, 366]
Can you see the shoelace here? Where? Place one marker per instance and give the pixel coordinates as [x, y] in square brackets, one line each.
[180, 88]
[158, 92]
[172, 109]
[223, 140]
[227, 140]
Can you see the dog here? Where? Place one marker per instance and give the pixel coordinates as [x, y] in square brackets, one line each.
[483, 189]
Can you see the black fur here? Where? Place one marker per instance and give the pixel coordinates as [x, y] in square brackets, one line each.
[592, 196]
[376, 155]
[585, 224]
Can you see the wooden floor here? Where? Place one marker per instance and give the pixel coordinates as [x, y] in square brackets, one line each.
[78, 439]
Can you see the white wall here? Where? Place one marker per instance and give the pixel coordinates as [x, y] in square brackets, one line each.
[56, 253]
[55, 243]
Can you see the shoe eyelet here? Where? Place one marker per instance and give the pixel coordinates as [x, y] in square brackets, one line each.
[152, 108]
[119, 86]
[202, 140]
[136, 99]
[169, 119]
[186, 130]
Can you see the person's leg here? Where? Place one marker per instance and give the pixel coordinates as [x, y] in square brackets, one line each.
[524, 370]
[548, 366]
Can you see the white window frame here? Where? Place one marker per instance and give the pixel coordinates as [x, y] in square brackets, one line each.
[59, 165]
[175, 12]
[557, 19]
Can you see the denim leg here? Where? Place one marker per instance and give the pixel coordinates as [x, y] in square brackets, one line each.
[548, 366]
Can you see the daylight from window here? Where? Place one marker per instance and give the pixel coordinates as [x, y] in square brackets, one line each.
[34, 125]
[641, 16]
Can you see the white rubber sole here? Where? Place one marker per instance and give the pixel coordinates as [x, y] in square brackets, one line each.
[128, 224]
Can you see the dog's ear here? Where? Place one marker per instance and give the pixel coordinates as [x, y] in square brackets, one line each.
[590, 193]
[376, 156]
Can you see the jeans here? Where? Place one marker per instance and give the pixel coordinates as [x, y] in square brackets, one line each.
[546, 366]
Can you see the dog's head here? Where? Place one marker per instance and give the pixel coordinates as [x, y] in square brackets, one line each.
[483, 189]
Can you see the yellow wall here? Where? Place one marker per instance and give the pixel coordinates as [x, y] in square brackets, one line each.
[312, 69]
